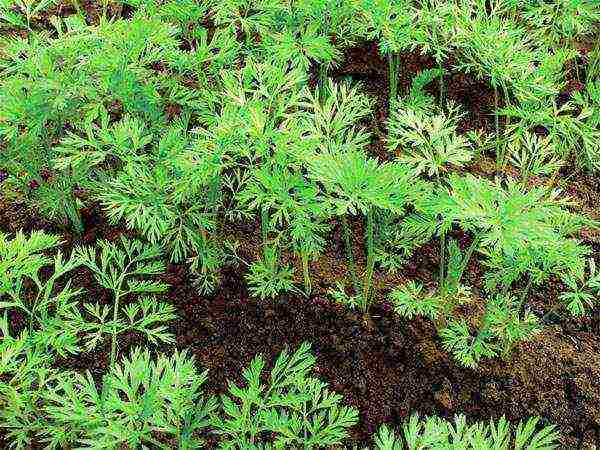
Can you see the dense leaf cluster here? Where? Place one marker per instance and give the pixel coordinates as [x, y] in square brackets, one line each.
[187, 122]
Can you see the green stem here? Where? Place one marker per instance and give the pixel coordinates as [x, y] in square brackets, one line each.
[113, 344]
[442, 262]
[467, 257]
[441, 81]
[264, 228]
[497, 126]
[393, 66]
[322, 75]
[370, 261]
[350, 254]
[307, 284]
[526, 290]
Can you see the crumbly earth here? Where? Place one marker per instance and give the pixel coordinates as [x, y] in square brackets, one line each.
[385, 366]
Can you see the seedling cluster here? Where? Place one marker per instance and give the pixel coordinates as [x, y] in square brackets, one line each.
[187, 122]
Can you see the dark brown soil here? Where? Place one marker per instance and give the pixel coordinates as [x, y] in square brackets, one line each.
[387, 367]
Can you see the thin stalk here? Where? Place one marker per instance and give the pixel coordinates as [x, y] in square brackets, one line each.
[264, 228]
[468, 255]
[441, 82]
[393, 66]
[74, 215]
[576, 63]
[526, 290]
[30, 319]
[113, 344]
[305, 421]
[497, 126]
[442, 281]
[350, 254]
[322, 75]
[118, 294]
[307, 283]
[370, 260]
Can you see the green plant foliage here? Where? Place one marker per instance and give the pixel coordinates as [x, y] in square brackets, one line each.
[534, 156]
[520, 232]
[502, 328]
[429, 143]
[434, 433]
[50, 327]
[563, 21]
[571, 128]
[395, 26]
[333, 114]
[48, 83]
[298, 410]
[49, 307]
[20, 13]
[589, 99]
[506, 220]
[418, 99]
[24, 375]
[584, 289]
[355, 183]
[171, 196]
[196, 126]
[122, 268]
[141, 402]
[267, 279]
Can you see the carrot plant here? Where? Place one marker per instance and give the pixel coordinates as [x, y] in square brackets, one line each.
[121, 269]
[356, 184]
[138, 399]
[298, 410]
[521, 233]
[196, 126]
[498, 49]
[417, 432]
[395, 26]
[48, 306]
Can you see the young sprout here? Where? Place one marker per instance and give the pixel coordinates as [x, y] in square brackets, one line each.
[290, 406]
[121, 268]
[520, 232]
[429, 143]
[434, 432]
[394, 24]
[355, 183]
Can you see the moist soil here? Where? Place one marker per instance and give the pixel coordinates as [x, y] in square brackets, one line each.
[385, 366]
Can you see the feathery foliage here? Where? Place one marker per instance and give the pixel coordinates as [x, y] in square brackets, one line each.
[298, 410]
[123, 269]
[140, 402]
[434, 432]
